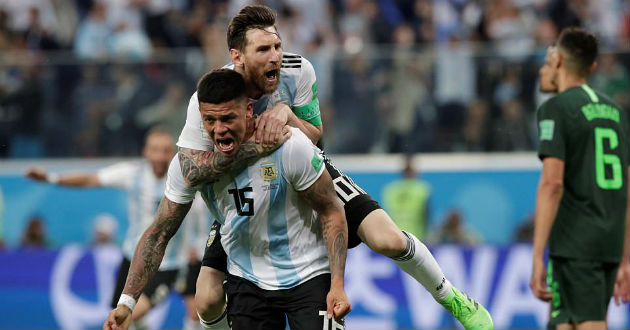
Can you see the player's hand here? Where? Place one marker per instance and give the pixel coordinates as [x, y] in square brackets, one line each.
[622, 284]
[270, 123]
[118, 319]
[36, 174]
[538, 282]
[266, 150]
[337, 304]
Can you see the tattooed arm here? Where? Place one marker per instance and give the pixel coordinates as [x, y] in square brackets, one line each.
[147, 257]
[322, 197]
[208, 166]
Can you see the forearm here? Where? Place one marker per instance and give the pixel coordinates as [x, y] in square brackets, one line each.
[150, 250]
[547, 201]
[208, 166]
[335, 233]
[78, 180]
[314, 133]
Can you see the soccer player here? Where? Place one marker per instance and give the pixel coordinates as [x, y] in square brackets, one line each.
[144, 182]
[582, 199]
[284, 89]
[283, 227]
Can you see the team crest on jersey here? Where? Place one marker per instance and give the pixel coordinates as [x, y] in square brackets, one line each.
[280, 97]
[268, 171]
[213, 233]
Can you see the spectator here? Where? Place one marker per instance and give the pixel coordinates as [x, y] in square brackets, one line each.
[407, 201]
[454, 231]
[474, 135]
[166, 111]
[612, 79]
[525, 231]
[104, 231]
[512, 130]
[34, 234]
[92, 38]
[409, 92]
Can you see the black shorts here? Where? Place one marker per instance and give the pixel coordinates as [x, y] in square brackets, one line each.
[157, 290]
[191, 279]
[357, 205]
[581, 289]
[252, 308]
[214, 256]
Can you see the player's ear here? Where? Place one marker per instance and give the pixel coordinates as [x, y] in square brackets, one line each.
[236, 56]
[559, 60]
[593, 67]
[250, 109]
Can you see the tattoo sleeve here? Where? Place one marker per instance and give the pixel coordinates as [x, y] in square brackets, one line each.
[322, 197]
[150, 250]
[208, 166]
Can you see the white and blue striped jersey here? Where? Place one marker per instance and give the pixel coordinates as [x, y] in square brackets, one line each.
[297, 89]
[271, 235]
[144, 193]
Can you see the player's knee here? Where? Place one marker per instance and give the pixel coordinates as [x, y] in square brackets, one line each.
[390, 244]
[209, 304]
[210, 297]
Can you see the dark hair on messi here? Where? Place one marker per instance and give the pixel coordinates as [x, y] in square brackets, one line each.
[219, 86]
[250, 17]
[581, 47]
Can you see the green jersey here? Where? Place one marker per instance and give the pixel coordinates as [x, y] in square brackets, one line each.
[406, 200]
[590, 133]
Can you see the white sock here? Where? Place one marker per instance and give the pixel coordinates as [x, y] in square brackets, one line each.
[220, 323]
[190, 324]
[418, 262]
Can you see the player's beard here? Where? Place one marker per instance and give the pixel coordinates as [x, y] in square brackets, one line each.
[259, 79]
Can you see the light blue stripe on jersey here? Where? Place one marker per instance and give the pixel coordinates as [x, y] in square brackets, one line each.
[261, 104]
[279, 252]
[289, 87]
[240, 232]
[211, 200]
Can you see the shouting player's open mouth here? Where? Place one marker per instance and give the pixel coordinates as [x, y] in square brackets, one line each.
[225, 145]
[272, 75]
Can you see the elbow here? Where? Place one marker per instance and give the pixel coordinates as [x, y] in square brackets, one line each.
[555, 188]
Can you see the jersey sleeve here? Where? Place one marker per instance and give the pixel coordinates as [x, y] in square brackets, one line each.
[551, 130]
[194, 136]
[119, 175]
[306, 103]
[303, 163]
[177, 190]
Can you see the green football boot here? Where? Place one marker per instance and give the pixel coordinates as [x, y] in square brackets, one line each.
[471, 314]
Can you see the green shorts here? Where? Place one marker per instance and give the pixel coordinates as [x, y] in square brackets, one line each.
[581, 289]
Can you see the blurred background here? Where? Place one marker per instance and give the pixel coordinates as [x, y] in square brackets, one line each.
[440, 93]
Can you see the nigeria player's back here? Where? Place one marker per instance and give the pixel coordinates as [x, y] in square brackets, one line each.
[594, 132]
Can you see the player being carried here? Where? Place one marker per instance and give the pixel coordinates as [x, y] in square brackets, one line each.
[284, 90]
[283, 226]
[582, 199]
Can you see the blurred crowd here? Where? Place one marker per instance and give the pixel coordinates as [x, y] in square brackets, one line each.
[87, 78]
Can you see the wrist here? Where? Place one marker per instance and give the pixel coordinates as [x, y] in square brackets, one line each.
[52, 178]
[127, 301]
[336, 283]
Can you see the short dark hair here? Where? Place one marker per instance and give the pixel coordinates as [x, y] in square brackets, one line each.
[250, 17]
[219, 86]
[581, 48]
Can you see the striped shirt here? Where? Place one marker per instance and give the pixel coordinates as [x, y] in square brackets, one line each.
[297, 88]
[271, 235]
[144, 193]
